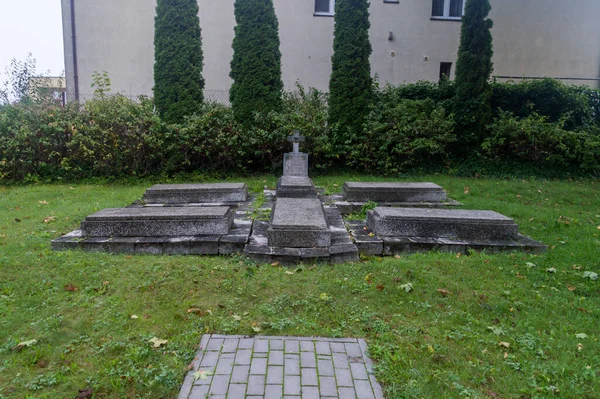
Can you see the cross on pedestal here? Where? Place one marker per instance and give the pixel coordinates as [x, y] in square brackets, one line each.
[296, 139]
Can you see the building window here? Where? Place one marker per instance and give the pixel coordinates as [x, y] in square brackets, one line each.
[324, 7]
[445, 70]
[448, 9]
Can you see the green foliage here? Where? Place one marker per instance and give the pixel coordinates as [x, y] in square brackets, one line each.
[473, 71]
[256, 63]
[350, 84]
[534, 139]
[178, 81]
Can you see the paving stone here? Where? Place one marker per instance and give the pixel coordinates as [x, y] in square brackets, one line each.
[274, 392]
[276, 358]
[347, 393]
[344, 378]
[310, 393]
[340, 361]
[276, 344]
[256, 385]
[325, 367]
[364, 389]
[243, 357]
[327, 386]
[309, 377]
[219, 384]
[323, 348]
[246, 343]
[307, 346]
[292, 366]
[230, 345]
[275, 375]
[291, 385]
[258, 366]
[353, 350]
[236, 391]
[225, 365]
[240, 374]
[307, 359]
[261, 345]
[292, 346]
[199, 392]
[359, 371]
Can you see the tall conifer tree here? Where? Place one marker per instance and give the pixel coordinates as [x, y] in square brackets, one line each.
[350, 84]
[256, 63]
[473, 71]
[178, 81]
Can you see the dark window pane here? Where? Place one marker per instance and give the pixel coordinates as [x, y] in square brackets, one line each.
[438, 8]
[322, 6]
[445, 69]
[456, 7]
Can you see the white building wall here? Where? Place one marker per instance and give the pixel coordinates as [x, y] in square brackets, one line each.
[531, 38]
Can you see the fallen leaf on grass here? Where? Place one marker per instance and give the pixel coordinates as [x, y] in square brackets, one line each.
[24, 344]
[581, 336]
[579, 347]
[492, 394]
[195, 310]
[443, 292]
[530, 265]
[591, 275]
[551, 270]
[70, 287]
[289, 272]
[380, 287]
[407, 287]
[49, 219]
[466, 190]
[324, 297]
[43, 202]
[236, 317]
[157, 342]
[256, 329]
[275, 264]
[571, 288]
[85, 393]
[505, 355]
[133, 317]
[504, 344]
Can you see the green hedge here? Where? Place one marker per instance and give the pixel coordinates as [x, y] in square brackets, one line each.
[408, 128]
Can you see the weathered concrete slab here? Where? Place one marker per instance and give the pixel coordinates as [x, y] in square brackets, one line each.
[196, 193]
[158, 222]
[295, 164]
[298, 223]
[393, 192]
[295, 187]
[441, 223]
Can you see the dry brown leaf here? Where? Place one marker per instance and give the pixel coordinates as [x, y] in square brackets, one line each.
[443, 292]
[49, 219]
[504, 344]
[70, 287]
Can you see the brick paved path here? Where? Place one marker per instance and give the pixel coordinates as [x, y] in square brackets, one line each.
[234, 367]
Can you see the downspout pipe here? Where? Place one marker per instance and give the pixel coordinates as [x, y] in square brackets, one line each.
[74, 43]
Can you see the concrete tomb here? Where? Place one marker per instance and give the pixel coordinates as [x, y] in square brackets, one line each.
[295, 187]
[158, 222]
[296, 162]
[442, 223]
[394, 192]
[298, 223]
[196, 193]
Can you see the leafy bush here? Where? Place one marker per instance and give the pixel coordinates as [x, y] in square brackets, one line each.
[535, 139]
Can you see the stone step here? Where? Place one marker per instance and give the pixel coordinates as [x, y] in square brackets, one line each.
[441, 223]
[295, 187]
[196, 193]
[393, 192]
[298, 223]
[158, 222]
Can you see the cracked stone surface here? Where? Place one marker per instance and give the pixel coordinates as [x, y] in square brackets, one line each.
[231, 367]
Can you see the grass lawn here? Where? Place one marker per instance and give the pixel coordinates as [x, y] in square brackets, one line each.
[506, 326]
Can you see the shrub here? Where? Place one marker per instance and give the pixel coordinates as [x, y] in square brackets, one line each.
[178, 82]
[256, 62]
[473, 71]
[350, 84]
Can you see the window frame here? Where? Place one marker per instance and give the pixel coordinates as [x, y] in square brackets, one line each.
[446, 15]
[331, 12]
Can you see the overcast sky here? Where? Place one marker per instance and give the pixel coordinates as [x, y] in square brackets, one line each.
[32, 26]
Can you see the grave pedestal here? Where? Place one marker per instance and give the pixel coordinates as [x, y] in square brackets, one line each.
[298, 223]
[295, 187]
[393, 192]
[196, 193]
[295, 164]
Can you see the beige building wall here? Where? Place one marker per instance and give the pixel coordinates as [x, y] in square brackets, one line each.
[531, 38]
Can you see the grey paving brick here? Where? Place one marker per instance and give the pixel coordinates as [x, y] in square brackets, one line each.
[275, 375]
[206, 381]
[323, 348]
[347, 393]
[359, 371]
[274, 392]
[337, 347]
[276, 344]
[291, 385]
[307, 359]
[307, 346]
[363, 389]
[225, 365]
[292, 397]
[246, 343]
[340, 361]
[236, 391]
[292, 365]
[256, 385]
[260, 355]
[309, 377]
[230, 345]
[310, 393]
[219, 385]
[376, 388]
[292, 346]
[353, 350]
[215, 344]
[325, 367]
[240, 374]
[276, 358]
[199, 392]
[327, 386]
[243, 357]
[217, 397]
[261, 345]
[344, 378]
[209, 359]
[258, 366]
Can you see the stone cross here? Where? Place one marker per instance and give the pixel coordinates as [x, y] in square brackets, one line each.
[296, 139]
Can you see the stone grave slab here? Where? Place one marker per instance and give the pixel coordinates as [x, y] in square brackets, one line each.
[393, 192]
[295, 187]
[158, 222]
[196, 193]
[295, 164]
[298, 223]
[442, 223]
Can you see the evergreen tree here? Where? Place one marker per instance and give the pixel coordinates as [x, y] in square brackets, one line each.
[473, 71]
[178, 82]
[256, 63]
[350, 84]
